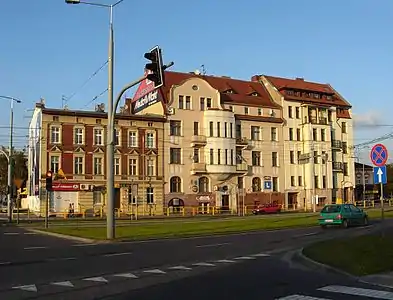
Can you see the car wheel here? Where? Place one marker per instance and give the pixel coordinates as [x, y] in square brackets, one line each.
[344, 224]
[365, 221]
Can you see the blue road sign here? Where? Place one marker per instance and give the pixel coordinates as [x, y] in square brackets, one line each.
[267, 184]
[380, 175]
[379, 155]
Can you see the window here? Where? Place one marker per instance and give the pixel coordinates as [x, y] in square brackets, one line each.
[323, 135]
[290, 134]
[330, 116]
[175, 128]
[239, 156]
[150, 195]
[202, 103]
[256, 158]
[196, 128]
[298, 156]
[226, 156]
[132, 166]
[316, 182]
[274, 159]
[150, 167]
[132, 194]
[290, 115]
[259, 111]
[232, 157]
[98, 137]
[297, 113]
[240, 182]
[255, 133]
[117, 137]
[97, 197]
[196, 155]
[231, 130]
[256, 184]
[273, 134]
[314, 134]
[275, 184]
[117, 166]
[225, 129]
[345, 169]
[132, 139]
[298, 134]
[203, 185]
[55, 134]
[238, 131]
[324, 182]
[324, 157]
[218, 129]
[78, 136]
[150, 140]
[345, 147]
[188, 102]
[292, 157]
[175, 184]
[343, 127]
[316, 160]
[208, 102]
[78, 165]
[175, 156]
[54, 163]
[210, 128]
[300, 180]
[246, 110]
[211, 156]
[293, 183]
[219, 157]
[97, 165]
[181, 102]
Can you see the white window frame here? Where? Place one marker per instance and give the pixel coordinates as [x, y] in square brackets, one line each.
[118, 137]
[150, 142]
[83, 165]
[78, 135]
[129, 166]
[56, 140]
[149, 191]
[131, 142]
[96, 135]
[51, 156]
[150, 166]
[117, 165]
[96, 160]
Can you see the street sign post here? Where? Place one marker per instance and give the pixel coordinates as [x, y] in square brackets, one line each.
[379, 156]
[267, 185]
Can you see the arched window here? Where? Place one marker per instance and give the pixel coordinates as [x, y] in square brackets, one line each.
[175, 184]
[256, 184]
[203, 185]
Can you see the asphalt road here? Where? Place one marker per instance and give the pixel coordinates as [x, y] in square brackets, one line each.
[37, 266]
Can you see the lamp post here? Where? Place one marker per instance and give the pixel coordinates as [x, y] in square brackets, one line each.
[110, 179]
[9, 158]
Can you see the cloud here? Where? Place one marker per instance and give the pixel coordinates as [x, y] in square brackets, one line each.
[371, 118]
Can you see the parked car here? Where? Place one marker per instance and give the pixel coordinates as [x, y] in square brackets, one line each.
[270, 208]
[343, 215]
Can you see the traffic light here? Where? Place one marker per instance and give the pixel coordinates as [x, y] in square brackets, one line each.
[49, 178]
[155, 67]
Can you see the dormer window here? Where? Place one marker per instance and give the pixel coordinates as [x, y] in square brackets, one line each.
[289, 92]
[255, 94]
[317, 96]
[328, 97]
[230, 91]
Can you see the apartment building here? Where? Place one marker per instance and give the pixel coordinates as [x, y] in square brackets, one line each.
[317, 141]
[223, 141]
[71, 144]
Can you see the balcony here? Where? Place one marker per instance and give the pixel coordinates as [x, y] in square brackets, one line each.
[198, 141]
[198, 168]
[337, 166]
[323, 121]
[242, 142]
[242, 167]
[337, 145]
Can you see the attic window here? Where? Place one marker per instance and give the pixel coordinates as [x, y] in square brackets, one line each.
[289, 92]
[229, 91]
[329, 97]
[317, 96]
[255, 94]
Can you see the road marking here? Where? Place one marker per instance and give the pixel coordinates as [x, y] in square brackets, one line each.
[261, 255]
[30, 233]
[34, 248]
[66, 258]
[300, 297]
[306, 234]
[180, 268]
[154, 271]
[95, 279]
[126, 275]
[5, 263]
[63, 283]
[29, 288]
[11, 233]
[225, 261]
[376, 294]
[244, 257]
[83, 245]
[203, 264]
[213, 245]
[117, 254]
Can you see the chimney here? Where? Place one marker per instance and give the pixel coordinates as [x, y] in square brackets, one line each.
[300, 78]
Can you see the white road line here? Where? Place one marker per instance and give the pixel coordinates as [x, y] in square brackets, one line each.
[30, 233]
[95, 279]
[212, 245]
[203, 264]
[154, 271]
[29, 288]
[34, 248]
[11, 233]
[225, 261]
[376, 294]
[125, 275]
[63, 283]
[244, 258]
[180, 268]
[117, 254]
[306, 234]
[261, 255]
[83, 245]
[4, 263]
[300, 297]
[66, 258]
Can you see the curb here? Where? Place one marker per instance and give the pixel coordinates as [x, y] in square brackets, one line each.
[64, 236]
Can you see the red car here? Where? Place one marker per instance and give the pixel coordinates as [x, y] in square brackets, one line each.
[270, 208]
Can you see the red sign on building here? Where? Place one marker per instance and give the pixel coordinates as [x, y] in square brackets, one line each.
[65, 186]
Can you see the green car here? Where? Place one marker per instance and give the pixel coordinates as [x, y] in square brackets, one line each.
[343, 215]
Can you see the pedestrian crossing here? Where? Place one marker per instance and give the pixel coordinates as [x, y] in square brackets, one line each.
[331, 292]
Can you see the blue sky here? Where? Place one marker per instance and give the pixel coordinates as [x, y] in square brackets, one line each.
[49, 49]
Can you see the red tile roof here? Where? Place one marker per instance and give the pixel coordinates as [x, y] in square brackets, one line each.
[242, 90]
[299, 84]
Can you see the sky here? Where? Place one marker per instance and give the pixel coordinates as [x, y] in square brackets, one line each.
[53, 50]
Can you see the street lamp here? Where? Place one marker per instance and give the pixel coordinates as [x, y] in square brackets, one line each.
[110, 179]
[9, 158]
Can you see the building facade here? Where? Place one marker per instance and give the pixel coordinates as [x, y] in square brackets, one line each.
[72, 145]
[365, 188]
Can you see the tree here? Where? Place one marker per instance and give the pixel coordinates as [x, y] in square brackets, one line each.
[20, 169]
